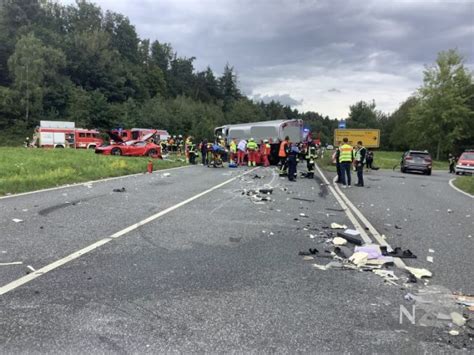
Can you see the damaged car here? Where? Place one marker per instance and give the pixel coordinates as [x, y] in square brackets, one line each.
[137, 148]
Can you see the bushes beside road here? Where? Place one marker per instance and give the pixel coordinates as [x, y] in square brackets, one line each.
[24, 169]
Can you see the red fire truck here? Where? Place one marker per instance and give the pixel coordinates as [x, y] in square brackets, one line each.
[60, 134]
[139, 133]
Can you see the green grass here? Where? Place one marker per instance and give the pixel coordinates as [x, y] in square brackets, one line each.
[24, 169]
[384, 160]
[465, 183]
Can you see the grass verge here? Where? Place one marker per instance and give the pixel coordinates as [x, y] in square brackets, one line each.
[383, 160]
[23, 170]
[465, 183]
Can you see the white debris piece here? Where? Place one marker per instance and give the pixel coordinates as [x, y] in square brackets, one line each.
[359, 258]
[453, 332]
[338, 226]
[450, 210]
[17, 220]
[307, 257]
[458, 319]
[12, 263]
[312, 236]
[429, 259]
[419, 273]
[431, 250]
[165, 174]
[339, 241]
[31, 268]
[302, 215]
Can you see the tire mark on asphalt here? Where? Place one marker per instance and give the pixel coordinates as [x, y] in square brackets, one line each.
[46, 211]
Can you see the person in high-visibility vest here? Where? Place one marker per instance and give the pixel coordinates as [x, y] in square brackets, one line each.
[252, 148]
[346, 156]
[283, 154]
[265, 152]
[233, 151]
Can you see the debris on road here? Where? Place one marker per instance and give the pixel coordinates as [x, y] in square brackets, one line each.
[119, 190]
[338, 226]
[303, 215]
[339, 241]
[351, 235]
[458, 319]
[431, 251]
[266, 191]
[303, 199]
[307, 257]
[17, 220]
[429, 259]
[419, 273]
[359, 258]
[398, 253]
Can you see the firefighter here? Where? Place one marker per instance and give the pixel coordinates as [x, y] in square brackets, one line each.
[252, 150]
[282, 154]
[233, 151]
[191, 147]
[265, 152]
[311, 156]
[292, 161]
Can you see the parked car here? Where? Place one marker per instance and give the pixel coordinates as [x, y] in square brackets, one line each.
[465, 164]
[415, 160]
[142, 147]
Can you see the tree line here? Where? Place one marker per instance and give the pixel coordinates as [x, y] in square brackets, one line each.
[79, 63]
[438, 117]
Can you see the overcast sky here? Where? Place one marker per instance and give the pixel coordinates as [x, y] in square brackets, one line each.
[319, 55]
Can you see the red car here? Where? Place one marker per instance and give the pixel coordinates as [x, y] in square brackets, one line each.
[465, 164]
[136, 148]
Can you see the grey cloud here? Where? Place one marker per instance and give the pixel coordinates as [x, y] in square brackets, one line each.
[284, 99]
[334, 90]
[293, 40]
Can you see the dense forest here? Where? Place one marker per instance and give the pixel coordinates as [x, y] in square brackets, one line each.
[79, 63]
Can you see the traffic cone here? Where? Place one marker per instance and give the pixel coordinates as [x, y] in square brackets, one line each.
[149, 167]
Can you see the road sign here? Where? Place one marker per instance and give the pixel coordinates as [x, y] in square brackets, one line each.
[342, 124]
[370, 137]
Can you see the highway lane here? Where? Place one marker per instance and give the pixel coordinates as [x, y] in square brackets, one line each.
[221, 273]
[419, 213]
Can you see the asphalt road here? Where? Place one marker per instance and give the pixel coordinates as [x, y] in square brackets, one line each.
[219, 273]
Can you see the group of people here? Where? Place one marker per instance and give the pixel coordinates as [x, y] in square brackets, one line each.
[347, 157]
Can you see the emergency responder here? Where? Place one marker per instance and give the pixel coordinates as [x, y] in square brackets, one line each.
[252, 148]
[179, 144]
[265, 149]
[359, 162]
[452, 163]
[204, 151]
[233, 151]
[241, 150]
[292, 154]
[311, 156]
[335, 159]
[282, 155]
[172, 144]
[346, 156]
[191, 150]
[187, 142]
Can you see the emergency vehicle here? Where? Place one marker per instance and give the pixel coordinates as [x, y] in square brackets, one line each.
[274, 131]
[62, 134]
[139, 133]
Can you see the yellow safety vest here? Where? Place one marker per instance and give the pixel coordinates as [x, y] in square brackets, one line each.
[345, 155]
[252, 146]
[233, 147]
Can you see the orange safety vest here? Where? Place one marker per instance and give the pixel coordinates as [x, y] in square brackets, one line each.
[282, 152]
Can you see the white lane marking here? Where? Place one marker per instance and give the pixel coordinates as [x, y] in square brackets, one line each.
[45, 269]
[458, 189]
[12, 263]
[85, 183]
[398, 262]
[347, 211]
